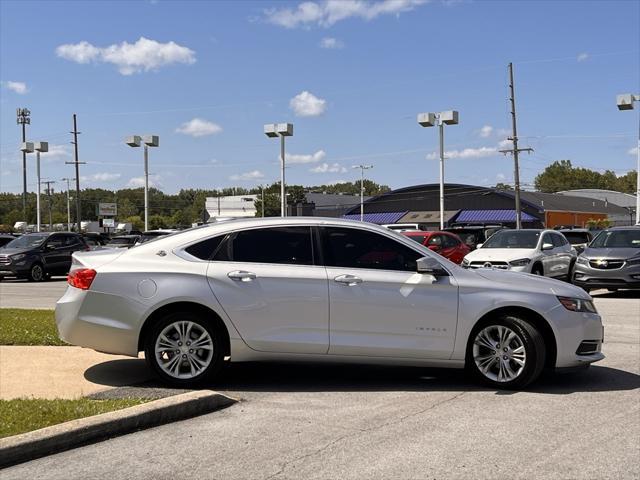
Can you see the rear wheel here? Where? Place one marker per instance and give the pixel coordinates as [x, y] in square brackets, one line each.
[36, 273]
[506, 353]
[184, 350]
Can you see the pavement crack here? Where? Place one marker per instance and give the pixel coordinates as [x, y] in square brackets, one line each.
[359, 431]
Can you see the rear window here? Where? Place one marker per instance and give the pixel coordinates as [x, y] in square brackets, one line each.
[206, 249]
[577, 237]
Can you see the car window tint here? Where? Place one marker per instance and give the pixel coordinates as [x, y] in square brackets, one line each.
[56, 241]
[449, 241]
[205, 249]
[546, 238]
[283, 245]
[557, 240]
[435, 240]
[355, 248]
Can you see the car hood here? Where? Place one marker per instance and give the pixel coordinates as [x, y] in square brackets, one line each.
[532, 283]
[611, 253]
[502, 254]
[14, 251]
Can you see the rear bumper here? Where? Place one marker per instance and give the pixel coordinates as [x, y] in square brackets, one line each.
[103, 322]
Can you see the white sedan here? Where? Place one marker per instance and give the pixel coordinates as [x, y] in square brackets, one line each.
[313, 289]
[541, 252]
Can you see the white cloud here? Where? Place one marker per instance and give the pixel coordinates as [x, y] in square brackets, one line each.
[505, 144]
[105, 176]
[326, 168]
[583, 56]
[306, 104]
[331, 43]
[466, 153]
[247, 176]
[329, 12]
[137, 182]
[309, 158]
[143, 55]
[56, 151]
[485, 131]
[199, 128]
[17, 87]
[633, 151]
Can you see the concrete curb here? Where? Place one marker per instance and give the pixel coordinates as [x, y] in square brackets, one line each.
[57, 438]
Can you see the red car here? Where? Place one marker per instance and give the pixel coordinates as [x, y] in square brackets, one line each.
[446, 244]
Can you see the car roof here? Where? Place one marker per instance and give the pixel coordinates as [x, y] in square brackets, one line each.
[628, 227]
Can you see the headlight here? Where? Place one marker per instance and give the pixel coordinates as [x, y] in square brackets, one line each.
[633, 261]
[465, 262]
[17, 257]
[582, 260]
[577, 304]
[521, 262]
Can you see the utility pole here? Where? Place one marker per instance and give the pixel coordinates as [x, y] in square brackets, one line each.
[24, 119]
[75, 134]
[515, 150]
[262, 199]
[49, 192]
[68, 201]
[362, 169]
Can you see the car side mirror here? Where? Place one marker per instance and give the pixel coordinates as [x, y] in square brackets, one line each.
[479, 245]
[547, 246]
[50, 248]
[430, 266]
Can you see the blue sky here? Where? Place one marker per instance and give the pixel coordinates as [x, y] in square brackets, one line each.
[350, 75]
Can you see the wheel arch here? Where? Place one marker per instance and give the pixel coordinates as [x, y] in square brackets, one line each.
[531, 316]
[538, 264]
[185, 306]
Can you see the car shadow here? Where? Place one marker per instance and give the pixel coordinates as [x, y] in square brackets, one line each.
[618, 294]
[281, 377]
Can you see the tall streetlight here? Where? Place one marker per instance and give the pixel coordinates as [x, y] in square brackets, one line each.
[68, 180]
[625, 102]
[362, 169]
[23, 117]
[281, 130]
[40, 147]
[27, 147]
[149, 141]
[449, 117]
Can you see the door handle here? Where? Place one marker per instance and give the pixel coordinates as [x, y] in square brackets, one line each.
[350, 280]
[241, 276]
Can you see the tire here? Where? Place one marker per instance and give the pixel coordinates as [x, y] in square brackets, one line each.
[537, 270]
[36, 273]
[520, 365]
[193, 366]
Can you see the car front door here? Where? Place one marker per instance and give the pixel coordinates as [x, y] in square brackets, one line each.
[548, 257]
[564, 255]
[53, 253]
[379, 305]
[273, 290]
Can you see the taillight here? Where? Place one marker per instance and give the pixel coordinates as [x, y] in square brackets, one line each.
[81, 278]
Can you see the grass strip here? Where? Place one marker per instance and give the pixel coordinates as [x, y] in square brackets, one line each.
[27, 414]
[28, 327]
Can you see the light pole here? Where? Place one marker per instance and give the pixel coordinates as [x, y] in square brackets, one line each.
[281, 130]
[149, 141]
[40, 147]
[625, 102]
[68, 201]
[24, 118]
[27, 147]
[362, 169]
[448, 117]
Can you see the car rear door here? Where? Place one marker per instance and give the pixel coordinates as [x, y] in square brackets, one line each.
[379, 305]
[273, 289]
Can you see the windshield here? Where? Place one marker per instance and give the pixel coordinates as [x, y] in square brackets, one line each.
[513, 239]
[617, 239]
[28, 241]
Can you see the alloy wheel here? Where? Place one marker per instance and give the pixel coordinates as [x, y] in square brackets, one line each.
[37, 274]
[184, 349]
[499, 353]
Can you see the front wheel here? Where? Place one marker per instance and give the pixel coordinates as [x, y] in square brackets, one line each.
[36, 273]
[184, 350]
[506, 353]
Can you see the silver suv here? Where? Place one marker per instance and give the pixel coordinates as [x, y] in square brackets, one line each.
[611, 260]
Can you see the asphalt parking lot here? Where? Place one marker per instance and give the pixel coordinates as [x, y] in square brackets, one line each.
[370, 422]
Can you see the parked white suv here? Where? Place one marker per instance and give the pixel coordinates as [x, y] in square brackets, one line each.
[541, 252]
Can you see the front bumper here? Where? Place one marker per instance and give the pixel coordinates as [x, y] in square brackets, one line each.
[588, 277]
[14, 270]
